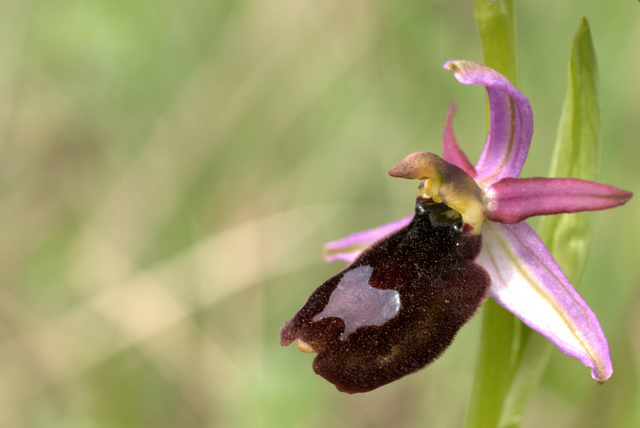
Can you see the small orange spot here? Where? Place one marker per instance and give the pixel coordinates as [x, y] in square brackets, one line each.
[304, 346]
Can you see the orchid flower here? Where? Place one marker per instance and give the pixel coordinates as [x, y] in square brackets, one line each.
[411, 284]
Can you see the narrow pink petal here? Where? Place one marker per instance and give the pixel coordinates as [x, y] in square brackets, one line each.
[528, 282]
[512, 200]
[350, 247]
[510, 125]
[451, 152]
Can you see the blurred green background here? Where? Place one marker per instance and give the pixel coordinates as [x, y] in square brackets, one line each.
[170, 171]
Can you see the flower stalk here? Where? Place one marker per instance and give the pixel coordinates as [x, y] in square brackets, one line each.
[512, 357]
[499, 345]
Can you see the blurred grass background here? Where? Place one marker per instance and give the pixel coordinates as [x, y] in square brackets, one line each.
[169, 172]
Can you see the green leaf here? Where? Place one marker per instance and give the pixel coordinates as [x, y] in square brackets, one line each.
[576, 154]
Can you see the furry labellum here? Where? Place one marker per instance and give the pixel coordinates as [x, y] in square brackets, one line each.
[397, 307]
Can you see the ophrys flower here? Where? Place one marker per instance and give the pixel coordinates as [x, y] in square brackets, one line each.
[413, 283]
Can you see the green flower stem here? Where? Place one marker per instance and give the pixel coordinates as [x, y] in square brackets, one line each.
[497, 31]
[499, 349]
[513, 357]
[501, 331]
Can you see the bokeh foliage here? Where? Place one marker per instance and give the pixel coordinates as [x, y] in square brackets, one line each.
[169, 172]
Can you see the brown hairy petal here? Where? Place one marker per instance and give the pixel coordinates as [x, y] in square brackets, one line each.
[397, 307]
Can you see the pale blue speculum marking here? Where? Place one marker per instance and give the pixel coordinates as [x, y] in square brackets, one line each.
[359, 304]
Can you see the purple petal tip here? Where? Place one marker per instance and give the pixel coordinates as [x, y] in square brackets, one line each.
[512, 200]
